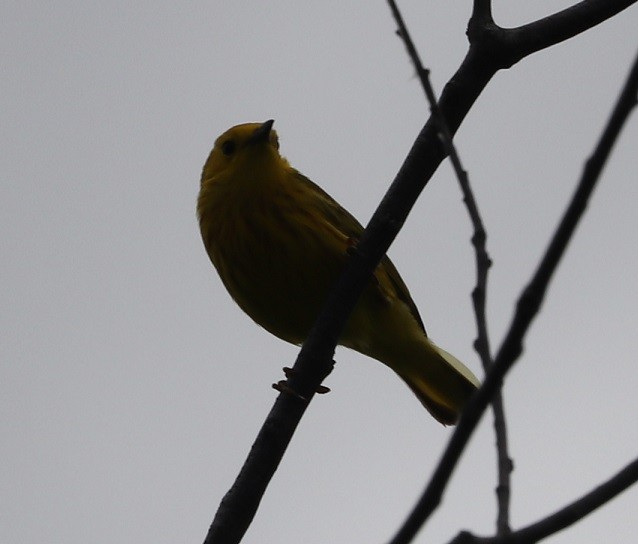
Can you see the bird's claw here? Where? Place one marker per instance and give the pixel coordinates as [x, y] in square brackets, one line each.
[321, 390]
[283, 387]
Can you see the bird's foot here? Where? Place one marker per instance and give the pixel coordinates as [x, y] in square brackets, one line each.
[283, 387]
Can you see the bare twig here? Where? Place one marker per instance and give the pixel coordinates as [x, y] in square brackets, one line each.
[527, 307]
[564, 517]
[563, 25]
[482, 12]
[483, 261]
[577, 510]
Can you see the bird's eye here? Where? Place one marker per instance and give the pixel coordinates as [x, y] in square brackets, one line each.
[228, 147]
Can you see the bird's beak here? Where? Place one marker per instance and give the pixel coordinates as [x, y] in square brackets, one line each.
[262, 133]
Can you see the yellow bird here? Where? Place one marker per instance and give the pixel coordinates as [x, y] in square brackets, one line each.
[279, 243]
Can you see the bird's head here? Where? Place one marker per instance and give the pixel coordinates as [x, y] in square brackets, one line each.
[243, 149]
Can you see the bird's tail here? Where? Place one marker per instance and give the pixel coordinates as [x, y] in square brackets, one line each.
[441, 382]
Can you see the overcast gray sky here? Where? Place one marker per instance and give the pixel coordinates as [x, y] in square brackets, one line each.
[131, 386]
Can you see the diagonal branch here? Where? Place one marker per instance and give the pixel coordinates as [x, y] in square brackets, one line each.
[566, 516]
[564, 24]
[527, 307]
[577, 510]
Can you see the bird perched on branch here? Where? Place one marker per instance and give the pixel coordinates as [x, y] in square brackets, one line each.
[279, 242]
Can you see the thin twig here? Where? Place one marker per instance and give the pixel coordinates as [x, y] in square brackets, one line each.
[482, 12]
[566, 516]
[527, 307]
[577, 510]
[483, 261]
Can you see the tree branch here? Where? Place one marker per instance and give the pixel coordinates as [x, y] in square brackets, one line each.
[564, 517]
[482, 12]
[314, 362]
[577, 510]
[483, 261]
[527, 307]
[564, 24]
[504, 47]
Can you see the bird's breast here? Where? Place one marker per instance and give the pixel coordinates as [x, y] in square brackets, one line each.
[274, 258]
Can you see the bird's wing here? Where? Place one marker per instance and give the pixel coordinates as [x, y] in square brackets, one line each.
[389, 281]
[401, 289]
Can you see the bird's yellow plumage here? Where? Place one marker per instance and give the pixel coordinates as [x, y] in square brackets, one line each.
[279, 242]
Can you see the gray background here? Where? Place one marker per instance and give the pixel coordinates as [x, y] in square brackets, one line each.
[131, 386]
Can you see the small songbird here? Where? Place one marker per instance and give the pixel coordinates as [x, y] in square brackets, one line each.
[279, 242]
